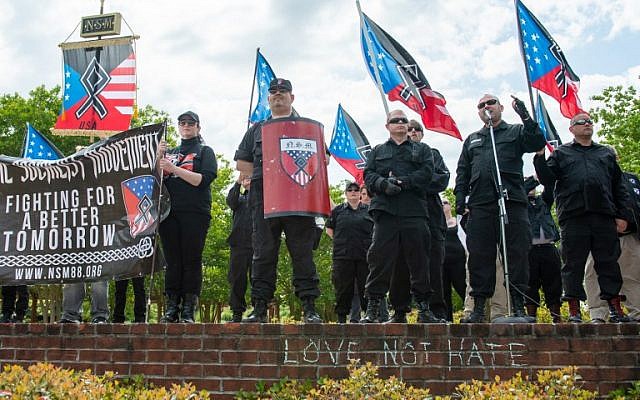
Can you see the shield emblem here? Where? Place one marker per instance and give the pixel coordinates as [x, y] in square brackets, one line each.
[299, 159]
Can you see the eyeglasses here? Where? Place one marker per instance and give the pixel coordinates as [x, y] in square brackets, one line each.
[411, 129]
[274, 91]
[398, 121]
[353, 190]
[489, 102]
[187, 123]
[582, 122]
[445, 202]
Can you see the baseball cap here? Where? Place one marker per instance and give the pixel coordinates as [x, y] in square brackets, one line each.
[189, 115]
[350, 185]
[279, 83]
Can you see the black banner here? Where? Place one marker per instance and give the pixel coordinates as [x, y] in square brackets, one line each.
[87, 217]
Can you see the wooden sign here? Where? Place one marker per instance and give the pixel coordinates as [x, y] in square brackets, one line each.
[101, 25]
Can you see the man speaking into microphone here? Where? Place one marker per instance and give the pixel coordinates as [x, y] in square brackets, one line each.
[477, 196]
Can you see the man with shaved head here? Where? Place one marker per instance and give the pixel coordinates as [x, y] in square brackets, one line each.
[477, 194]
[590, 202]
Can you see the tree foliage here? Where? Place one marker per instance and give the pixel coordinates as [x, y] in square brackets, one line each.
[619, 113]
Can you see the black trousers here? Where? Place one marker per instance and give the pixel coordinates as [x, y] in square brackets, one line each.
[300, 233]
[483, 236]
[346, 274]
[139, 300]
[239, 267]
[183, 236]
[453, 275]
[397, 240]
[544, 272]
[9, 303]
[595, 233]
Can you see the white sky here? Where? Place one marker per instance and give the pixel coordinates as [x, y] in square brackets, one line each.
[199, 55]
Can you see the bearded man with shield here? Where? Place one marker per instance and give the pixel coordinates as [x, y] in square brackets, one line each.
[288, 153]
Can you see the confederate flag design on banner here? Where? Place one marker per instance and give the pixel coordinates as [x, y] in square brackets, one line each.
[294, 168]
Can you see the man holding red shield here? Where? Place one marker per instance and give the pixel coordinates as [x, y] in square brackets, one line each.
[290, 179]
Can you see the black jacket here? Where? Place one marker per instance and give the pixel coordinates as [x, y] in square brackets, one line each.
[352, 231]
[409, 161]
[587, 180]
[439, 182]
[242, 226]
[540, 217]
[632, 184]
[476, 172]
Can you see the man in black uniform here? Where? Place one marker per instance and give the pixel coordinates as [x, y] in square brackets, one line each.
[350, 226]
[300, 231]
[398, 293]
[476, 193]
[398, 172]
[544, 257]
[240, 246]
[590, 201]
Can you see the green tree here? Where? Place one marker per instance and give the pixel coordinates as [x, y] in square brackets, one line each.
[619, 113]
[40, 109]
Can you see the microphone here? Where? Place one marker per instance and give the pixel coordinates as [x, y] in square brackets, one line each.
[487, 113]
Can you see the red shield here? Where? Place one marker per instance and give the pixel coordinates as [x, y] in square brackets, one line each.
[294, 168]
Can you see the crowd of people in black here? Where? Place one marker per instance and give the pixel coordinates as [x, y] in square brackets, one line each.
[396, 238]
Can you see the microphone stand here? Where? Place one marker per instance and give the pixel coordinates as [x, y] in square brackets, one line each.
[504, 220]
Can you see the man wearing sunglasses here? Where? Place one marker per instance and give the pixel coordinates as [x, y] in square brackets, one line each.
[590, 199]
[398, 294]
[477, 195]
[300, 231]
[397, 173]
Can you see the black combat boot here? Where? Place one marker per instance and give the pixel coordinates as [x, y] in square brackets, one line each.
[616, 315]
[554, 310]
[259, 313]
[532, 310]
[399, 316]
[425, 315]
[342, 319]
[173, 309]
[517, 307]
[189, 308]
[237, 316]
[373, 311]
[311, 316]
[477, 315]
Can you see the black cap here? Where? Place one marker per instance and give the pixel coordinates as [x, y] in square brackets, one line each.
[189, 115]
[530, 183]
[350, 185]
[279, 83]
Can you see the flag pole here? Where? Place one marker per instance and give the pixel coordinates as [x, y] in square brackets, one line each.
[155, 233]
[253, 87]
[369, 46]
[524, 59]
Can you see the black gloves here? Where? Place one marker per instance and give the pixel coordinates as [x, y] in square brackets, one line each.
[520, 108]
[388, 186]
[460, 205]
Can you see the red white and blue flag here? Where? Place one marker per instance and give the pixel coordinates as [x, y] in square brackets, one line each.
[299, 158]
[36, 146]
[99, 87]
[547, 67]
[546, 126]
[402, 79]
[349, 146]
[137, 193]
[264, 76]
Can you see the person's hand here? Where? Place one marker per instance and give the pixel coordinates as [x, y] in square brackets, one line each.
[461, 209]
[520, 108]
[240, 179]
[166, 165]
[621, 225]
[162, 148]
[389, 187]
[540, 152]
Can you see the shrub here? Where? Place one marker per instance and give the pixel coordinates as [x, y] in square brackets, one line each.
[46, 382]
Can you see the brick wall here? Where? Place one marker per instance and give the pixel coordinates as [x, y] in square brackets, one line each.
[224, 358]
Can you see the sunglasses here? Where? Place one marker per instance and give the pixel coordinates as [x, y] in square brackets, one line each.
[274, 91]
[411, 129]
[187, 123]
[489, 102]
[398, 121]
[582, 122]
[353, 190]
